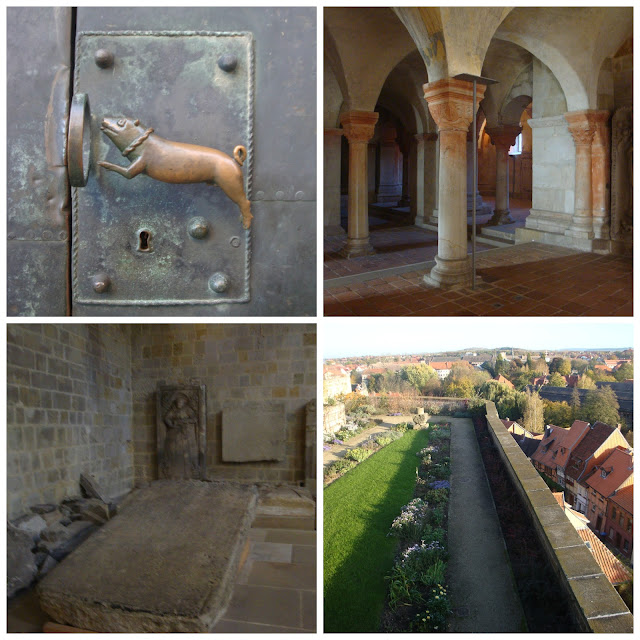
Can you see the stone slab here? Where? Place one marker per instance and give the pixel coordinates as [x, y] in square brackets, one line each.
[166, 563]
[253, 431]
[21, 564]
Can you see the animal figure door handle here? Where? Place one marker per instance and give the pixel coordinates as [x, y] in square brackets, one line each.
[176, 162]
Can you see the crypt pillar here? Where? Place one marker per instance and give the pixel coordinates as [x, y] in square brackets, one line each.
[431, 165]
[503, 138]
[405, 149]
[390, 185]
[417, 177]
[332, 142]
[451, 105]
[600, 172]
[582, 128]
[358, 127]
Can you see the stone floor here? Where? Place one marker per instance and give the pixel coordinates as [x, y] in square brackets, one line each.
[275, 591]
[523, 280]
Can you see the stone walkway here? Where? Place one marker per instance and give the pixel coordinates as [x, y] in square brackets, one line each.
[529, 279]
[338, 451]
[481, 587]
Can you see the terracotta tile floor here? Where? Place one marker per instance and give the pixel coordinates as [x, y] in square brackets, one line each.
[524, 280]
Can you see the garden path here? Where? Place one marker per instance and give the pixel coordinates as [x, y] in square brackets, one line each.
[338, 451]
[483, 594]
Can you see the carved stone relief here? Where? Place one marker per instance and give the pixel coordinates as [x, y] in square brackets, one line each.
[622, 175]
[182, 432]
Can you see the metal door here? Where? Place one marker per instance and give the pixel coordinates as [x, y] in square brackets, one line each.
[237, 83]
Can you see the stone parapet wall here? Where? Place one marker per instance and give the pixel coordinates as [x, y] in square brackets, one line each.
[333, 418]
[237, 362]
[68, 411]
[596, 605]
[336, 385]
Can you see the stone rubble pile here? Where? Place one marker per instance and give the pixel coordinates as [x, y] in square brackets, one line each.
[38, 541]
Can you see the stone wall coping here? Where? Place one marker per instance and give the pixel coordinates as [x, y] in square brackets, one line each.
[596, 605]
[548, 121]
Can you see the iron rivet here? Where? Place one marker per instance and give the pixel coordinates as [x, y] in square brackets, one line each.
[235, 242]
[259, 195]
[47, 235]
[101, 282]
[198, 228]
[104, 58]
[11, 236]
[219, 282]
[62, 235]
[228, 62]
[299, 195]
[279, 195]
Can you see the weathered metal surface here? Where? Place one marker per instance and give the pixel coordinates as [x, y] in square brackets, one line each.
[283, 278]
[137, 231]
[37, 186]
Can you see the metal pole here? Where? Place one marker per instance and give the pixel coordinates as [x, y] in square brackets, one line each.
[475, 188]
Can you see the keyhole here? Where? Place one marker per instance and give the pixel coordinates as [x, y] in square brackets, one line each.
[145, 237]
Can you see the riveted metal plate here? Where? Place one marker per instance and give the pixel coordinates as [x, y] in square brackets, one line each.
[139, 232]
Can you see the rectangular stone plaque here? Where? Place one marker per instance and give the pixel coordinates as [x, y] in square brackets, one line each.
[181, 419]
[254, 431]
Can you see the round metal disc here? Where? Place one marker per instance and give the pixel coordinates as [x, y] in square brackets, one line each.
[79, 140]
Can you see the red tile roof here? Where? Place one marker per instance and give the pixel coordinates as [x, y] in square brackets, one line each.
[502, 380]
[615, 571]
[577, 432]
[557, 444]
[616, 468]
[624, 498]
[581, 461]
[441, 365]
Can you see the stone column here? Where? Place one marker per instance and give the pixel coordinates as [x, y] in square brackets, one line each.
[431, 164]
[417, 180]
[582, 129]
[405, 149]
[332, 142]
[451, 105]
[600, 172]
[502, 138]
[358, 127]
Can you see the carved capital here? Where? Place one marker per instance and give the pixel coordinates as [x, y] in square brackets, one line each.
[583, 124]
[358, 126]
[333, 133]
[504, 136]
[451, 102]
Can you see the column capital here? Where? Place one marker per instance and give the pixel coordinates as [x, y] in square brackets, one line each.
[333, 133]
[425, 137]
[504, 135]
[450, 102]
[359, 126]
[583, 124]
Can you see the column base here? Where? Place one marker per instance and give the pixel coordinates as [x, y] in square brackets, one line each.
[354, 248]
[500, 217]
[579, 232]
[450, 273]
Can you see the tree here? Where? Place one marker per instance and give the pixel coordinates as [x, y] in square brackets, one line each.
[564, 368]
[418, 375]
[533, 412]
[624, 372]
[460, 389]
[501, 365]
[558, 413]
[600, 404]
[529, 362]
[556, 380]
[585, 382]
[554, 364]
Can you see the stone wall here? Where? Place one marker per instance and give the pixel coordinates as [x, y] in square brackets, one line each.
[333, 418]
[68, 411]
[596, 605]
[336, 385]
[270, 363]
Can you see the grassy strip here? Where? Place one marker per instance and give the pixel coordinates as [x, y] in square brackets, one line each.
[357, 552]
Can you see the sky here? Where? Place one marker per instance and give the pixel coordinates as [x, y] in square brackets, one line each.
[379, 336]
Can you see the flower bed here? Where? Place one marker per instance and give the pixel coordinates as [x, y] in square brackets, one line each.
[417, 598]
[356, 455]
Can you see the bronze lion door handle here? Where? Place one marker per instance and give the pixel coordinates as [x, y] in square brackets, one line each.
[159, 158]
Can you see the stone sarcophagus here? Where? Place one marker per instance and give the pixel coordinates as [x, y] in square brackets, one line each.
[181, 419]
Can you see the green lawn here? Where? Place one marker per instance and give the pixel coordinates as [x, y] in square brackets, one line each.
[358, 511]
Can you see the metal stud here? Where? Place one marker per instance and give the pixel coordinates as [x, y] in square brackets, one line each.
[198, 228]
[219, 282]
[228, 62]
[104, 58]
[101, 282]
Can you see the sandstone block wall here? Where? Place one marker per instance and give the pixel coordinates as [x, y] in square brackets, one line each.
[335, 385]
[68, 411]
[334, 418]
[236, 362]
